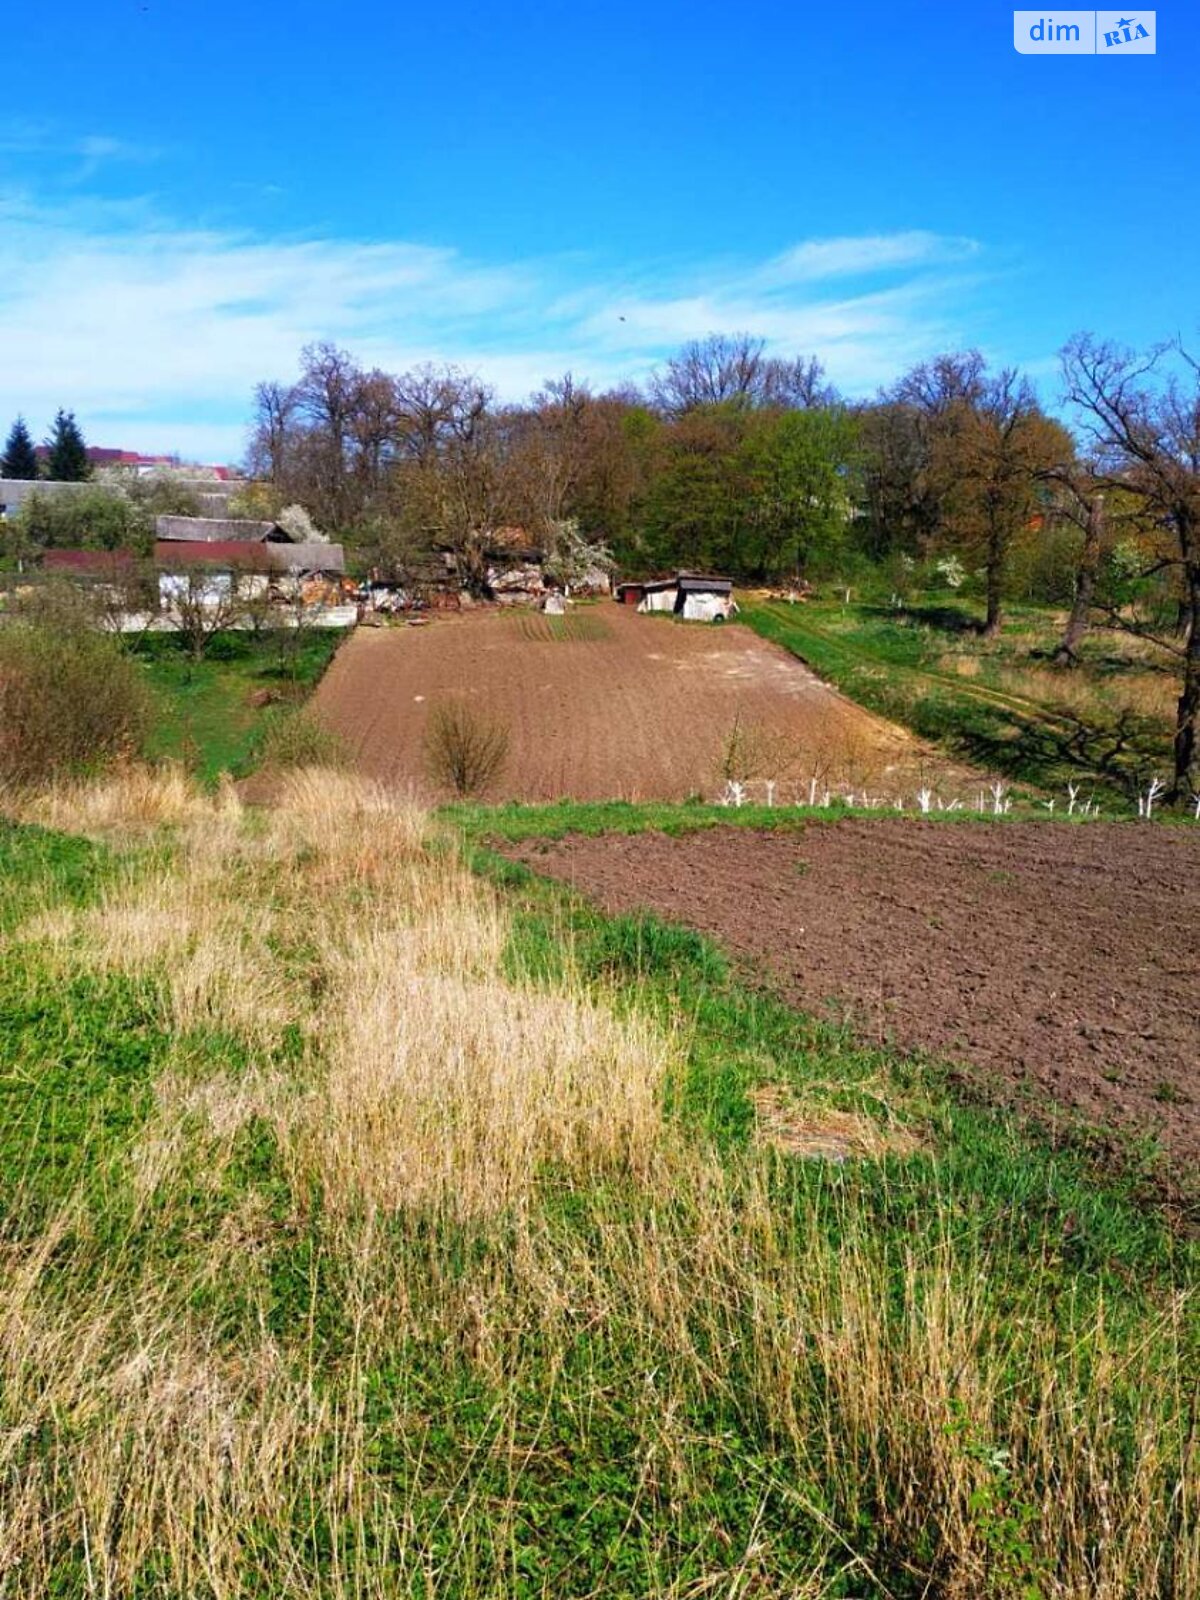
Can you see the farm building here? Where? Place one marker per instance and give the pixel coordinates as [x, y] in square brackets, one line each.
[694, 596]
[704, 599]
[220, 530]
[111, 564]
[261, 546]
[250, 556]
[311, 571]
[653, 594]
[15, 491]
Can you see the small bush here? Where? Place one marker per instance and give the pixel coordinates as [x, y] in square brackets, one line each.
[465, 750]
[71, 702]
[299, 739]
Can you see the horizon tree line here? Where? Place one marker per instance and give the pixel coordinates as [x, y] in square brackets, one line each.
[734, 460]
[744, 462]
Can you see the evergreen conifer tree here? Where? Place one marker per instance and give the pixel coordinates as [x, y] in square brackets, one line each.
[20, 458]
[67, 461]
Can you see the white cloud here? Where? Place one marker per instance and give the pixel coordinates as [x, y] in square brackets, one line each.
[155, 334]
[867, 255]
[75, 158]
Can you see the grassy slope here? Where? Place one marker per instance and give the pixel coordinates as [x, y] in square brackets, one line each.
[207, 718]
[537, 1408]
[1013, 713]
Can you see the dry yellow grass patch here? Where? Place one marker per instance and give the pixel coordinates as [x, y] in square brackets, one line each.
[963, 666]
[449, 1084]
[431, 1076]
[1146, 694]
[131, 800]
[783, 1123]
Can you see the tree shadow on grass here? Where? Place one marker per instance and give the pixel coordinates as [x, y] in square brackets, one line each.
[941, 618]
[1121, 750]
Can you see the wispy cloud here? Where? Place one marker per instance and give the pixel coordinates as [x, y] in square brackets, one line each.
[865, 256]
[75, 158]
[156, 334]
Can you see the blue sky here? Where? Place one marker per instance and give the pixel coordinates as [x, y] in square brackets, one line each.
[190, 192]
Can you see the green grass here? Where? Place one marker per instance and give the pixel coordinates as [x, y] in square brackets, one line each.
[514, 821]
[554, 820]
[40, 869]
[76, 1054]
[506, 1444]
[1051, 728]
[206, 713]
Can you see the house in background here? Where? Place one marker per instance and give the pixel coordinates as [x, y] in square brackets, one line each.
[262, 546]
[211, 495]
[102, 458]
[15, 491]
[301, 560]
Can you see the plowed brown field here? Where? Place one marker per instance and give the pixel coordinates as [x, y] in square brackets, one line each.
[1063, 961]
[607, 705]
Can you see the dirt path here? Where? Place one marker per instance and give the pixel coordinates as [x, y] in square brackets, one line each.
[1063, 961]
[610, 706]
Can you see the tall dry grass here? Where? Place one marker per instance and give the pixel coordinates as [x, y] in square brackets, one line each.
[1145, 693]
[466, 1176]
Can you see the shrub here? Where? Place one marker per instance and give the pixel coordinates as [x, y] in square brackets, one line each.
[299, 739]
[1043, 564]
[71, 702]
[465, 750]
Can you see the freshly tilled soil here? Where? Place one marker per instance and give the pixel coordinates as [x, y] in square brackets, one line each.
[632, 708]
[1062, 963]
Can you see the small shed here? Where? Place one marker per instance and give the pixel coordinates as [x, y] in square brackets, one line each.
[700, 598]
[695, 596]
[660, 594]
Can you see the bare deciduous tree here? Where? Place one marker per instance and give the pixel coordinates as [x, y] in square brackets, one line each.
[271, 432]
[1142, 414]
[1080, 501]
[201, 603]
[733, 369]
